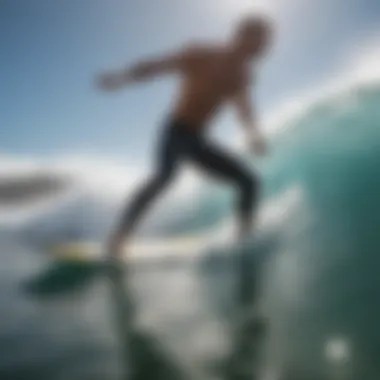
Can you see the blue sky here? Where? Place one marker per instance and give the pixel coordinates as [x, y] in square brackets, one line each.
[51, 50]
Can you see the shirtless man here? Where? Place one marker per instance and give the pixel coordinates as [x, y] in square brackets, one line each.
[211, 76]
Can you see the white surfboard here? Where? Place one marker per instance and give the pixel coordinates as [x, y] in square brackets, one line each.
[140, 249]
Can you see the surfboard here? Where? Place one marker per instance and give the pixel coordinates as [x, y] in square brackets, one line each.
[75, 264]
[141, 249]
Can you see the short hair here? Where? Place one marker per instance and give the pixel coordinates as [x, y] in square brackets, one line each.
[253, 24]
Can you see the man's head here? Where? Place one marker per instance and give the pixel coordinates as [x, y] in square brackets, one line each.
[252, 35]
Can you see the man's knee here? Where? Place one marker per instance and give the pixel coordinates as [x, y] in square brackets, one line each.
[161, 180]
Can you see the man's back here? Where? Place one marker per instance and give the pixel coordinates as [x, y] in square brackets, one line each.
[210, 76]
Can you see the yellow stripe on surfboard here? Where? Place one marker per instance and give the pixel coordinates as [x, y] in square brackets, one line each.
[89, 251]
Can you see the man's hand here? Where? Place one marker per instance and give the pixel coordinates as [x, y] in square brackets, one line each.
[247, 115]
[111, 81]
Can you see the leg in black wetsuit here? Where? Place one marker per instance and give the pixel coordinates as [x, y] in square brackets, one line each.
[180, 142]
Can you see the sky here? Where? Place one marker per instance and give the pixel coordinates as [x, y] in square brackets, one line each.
[52, 50]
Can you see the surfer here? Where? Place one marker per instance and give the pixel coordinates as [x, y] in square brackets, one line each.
[211, 76]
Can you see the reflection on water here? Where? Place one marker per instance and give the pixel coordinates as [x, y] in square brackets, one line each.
[338, 350]
[73, 335]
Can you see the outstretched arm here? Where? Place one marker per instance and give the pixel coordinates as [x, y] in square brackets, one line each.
[144, 70]
[247, 114]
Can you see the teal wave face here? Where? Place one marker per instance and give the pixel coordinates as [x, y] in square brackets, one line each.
[326, 279]
[321, 284]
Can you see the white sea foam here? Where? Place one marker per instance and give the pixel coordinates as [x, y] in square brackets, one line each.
[361, 68]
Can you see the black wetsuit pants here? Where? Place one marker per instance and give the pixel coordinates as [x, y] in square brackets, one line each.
[181, 142]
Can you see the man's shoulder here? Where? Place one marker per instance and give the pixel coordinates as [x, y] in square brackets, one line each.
[201, 49]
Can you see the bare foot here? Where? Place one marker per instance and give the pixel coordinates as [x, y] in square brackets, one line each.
[115, 246]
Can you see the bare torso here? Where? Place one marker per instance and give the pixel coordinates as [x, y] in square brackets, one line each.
[210, 78]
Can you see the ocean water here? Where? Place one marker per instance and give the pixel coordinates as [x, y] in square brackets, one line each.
[317, 250]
